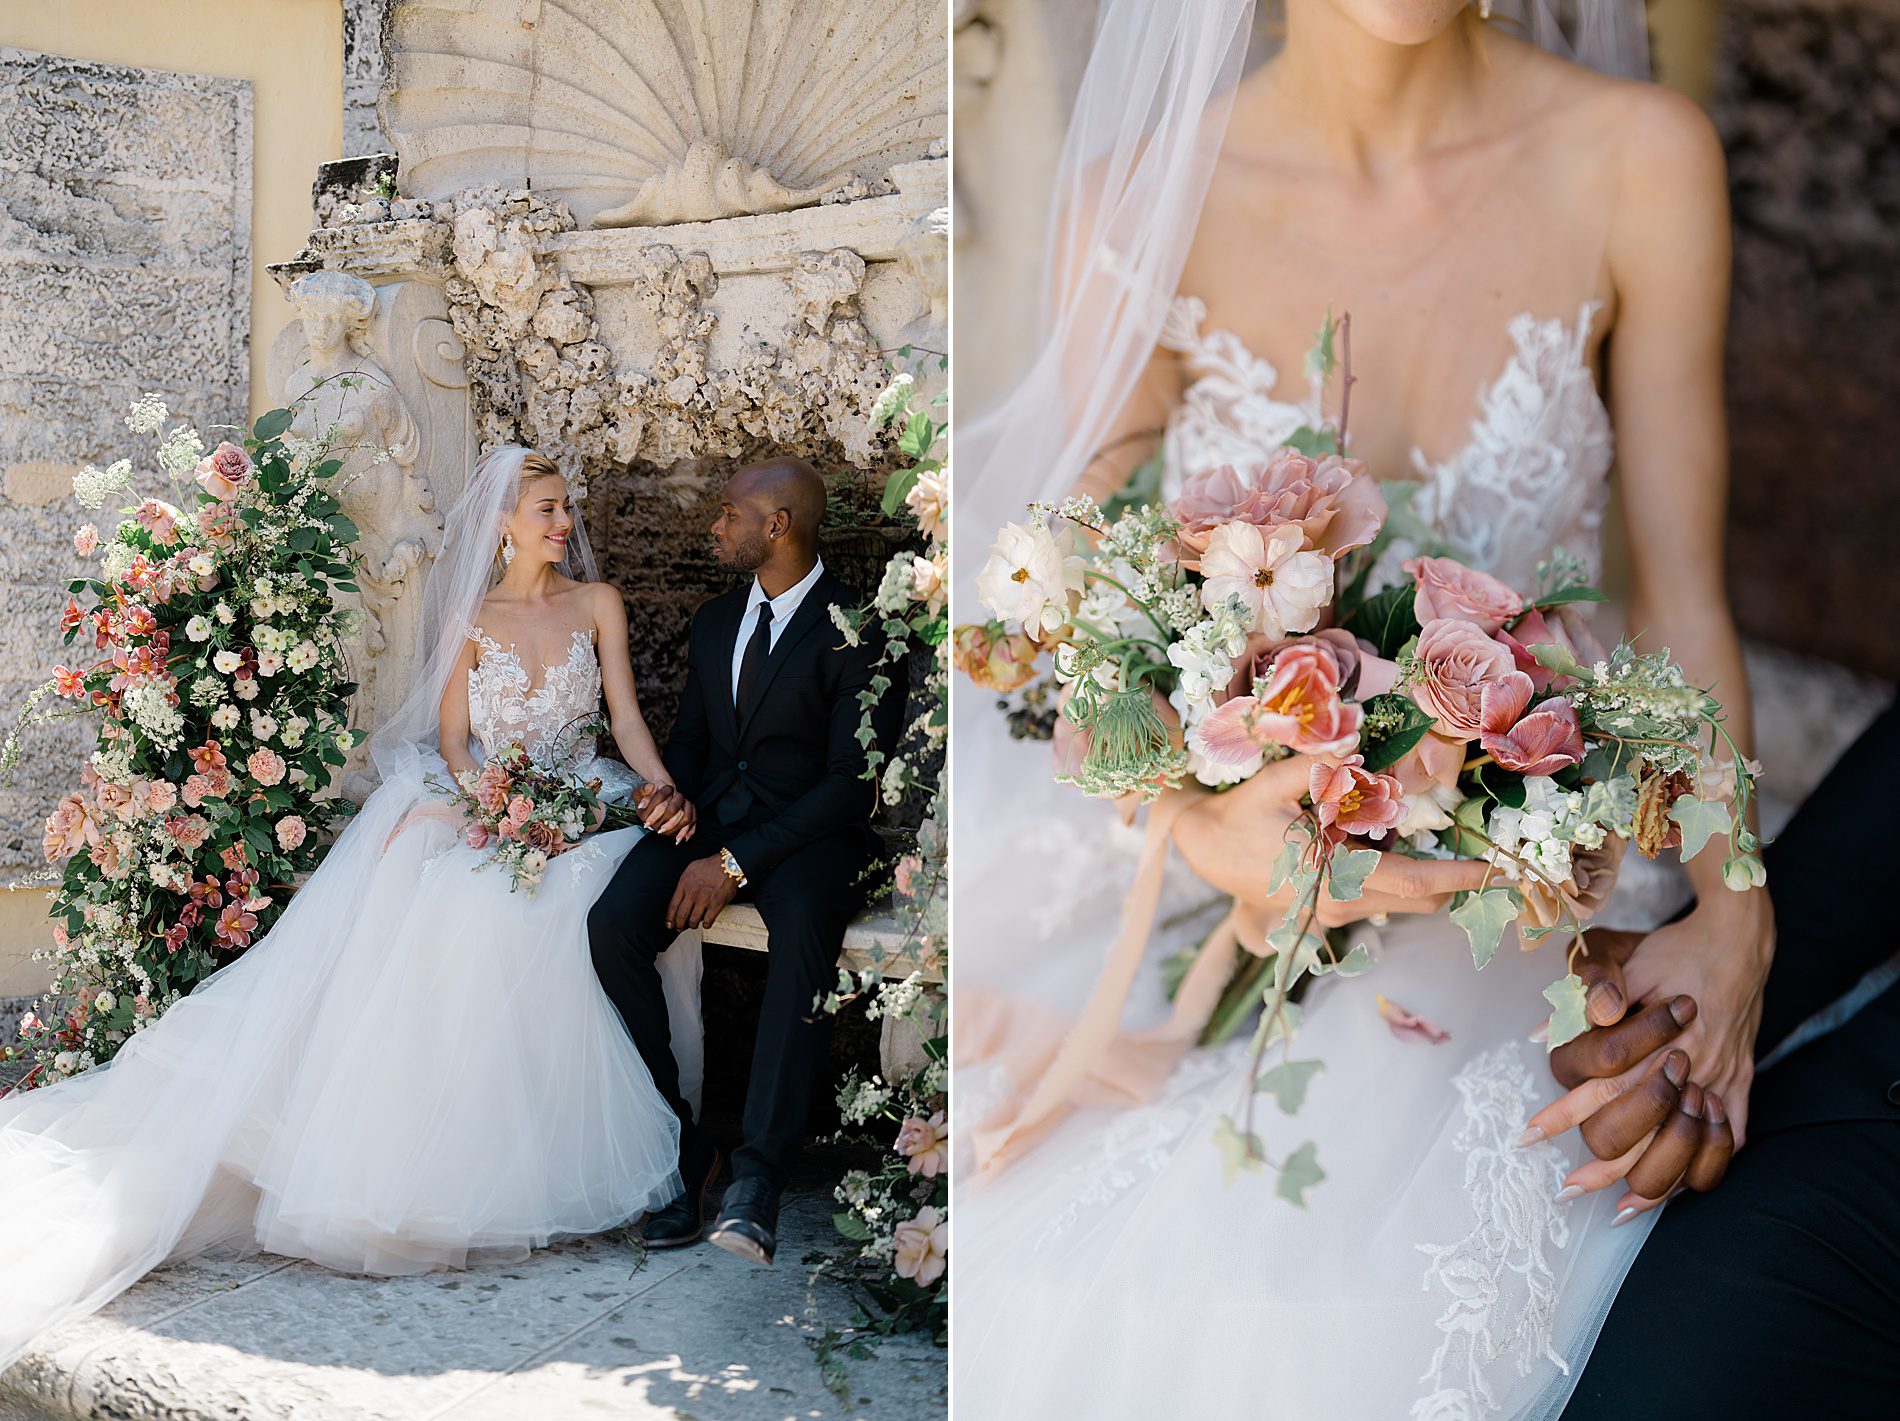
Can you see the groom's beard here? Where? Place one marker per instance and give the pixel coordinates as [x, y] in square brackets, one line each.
[748, 556]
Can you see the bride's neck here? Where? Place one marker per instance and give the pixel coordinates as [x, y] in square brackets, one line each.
[1367, 103]
[529, 582]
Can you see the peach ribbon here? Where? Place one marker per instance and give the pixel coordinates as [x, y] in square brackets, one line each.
[1096, 1062]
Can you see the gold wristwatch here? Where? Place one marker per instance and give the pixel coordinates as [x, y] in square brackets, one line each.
[731, 866]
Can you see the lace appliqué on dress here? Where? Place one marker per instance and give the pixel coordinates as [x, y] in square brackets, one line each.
[504, 704]
[1502, 1286]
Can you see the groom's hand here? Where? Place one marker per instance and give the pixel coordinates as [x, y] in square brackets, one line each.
[703, 891]
[664, 810]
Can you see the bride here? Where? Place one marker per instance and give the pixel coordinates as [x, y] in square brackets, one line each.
[1533, 251]
[416, 1068]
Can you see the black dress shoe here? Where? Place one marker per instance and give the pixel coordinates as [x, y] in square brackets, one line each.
[682, 1222]
[748, 1220]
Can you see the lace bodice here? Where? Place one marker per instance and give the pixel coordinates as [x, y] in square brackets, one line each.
[1533, 476]
[504, 704]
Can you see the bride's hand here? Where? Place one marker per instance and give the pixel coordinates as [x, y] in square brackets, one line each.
[664, 810]
[1231, 840]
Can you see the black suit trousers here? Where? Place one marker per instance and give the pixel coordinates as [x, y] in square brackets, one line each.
[807, 900]
[1778, 1294]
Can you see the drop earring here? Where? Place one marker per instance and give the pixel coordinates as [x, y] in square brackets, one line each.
[1484, 9]
[507, 550]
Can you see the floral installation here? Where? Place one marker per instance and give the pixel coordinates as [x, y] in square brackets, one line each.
[896, 1216]
[210, 647]
[1272, 610]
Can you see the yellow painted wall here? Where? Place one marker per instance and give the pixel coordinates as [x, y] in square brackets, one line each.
[290, 50]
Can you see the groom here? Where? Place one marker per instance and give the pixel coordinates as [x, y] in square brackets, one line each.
[765, 749]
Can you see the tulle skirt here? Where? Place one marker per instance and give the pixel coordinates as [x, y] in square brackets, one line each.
[415, 1069]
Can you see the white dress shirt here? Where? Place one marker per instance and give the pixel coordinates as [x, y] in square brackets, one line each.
[783, 606]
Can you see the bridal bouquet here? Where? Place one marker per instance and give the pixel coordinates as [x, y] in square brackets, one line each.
[209, 647]
[529, 812]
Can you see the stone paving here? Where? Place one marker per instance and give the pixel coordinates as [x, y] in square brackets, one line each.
[590, 1329]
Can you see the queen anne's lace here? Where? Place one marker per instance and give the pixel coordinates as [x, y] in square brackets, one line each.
[1501, 1285]
[1532, 477]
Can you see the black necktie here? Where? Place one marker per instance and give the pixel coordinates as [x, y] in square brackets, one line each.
[756, 651]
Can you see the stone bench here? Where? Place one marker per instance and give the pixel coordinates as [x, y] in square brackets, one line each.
[876, 942]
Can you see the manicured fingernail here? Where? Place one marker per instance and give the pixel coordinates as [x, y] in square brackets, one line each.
[1682, 1009]
[1533, 1134]
[1569, 1192]
[1624, 1216]
[1676, 1068]
[1540, 1035]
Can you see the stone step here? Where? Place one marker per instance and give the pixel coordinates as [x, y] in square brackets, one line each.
[594, 1327]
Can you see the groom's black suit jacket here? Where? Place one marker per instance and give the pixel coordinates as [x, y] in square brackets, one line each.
[792, 753]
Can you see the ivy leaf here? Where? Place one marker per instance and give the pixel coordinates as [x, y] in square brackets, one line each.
[1239, 1153]
[1467, 823]
[1558, 659]
[1611, 801]
[1484, 917]
[1299, 1174]
[1354, 962]
[1701, 820]
[1567, 1021]
[1279, 1026]
[1346, 875]
[1284, 867]
[1287, 1083]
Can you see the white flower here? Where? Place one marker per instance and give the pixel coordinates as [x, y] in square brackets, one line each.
[180, 452]
[224, 614]
[65, 1063]
[202, 565]
[1205, 657]
[147, 415]
[344, 740]
[262, 607]
[293, 731]
[245, 690]
[1283, 587]
[147, 707]
[1030, 578]
[198, 628]
[263, 725]
[225, 717]
[226, 661]
[93, 486]
[269, 663]
[302, 657]
[104, 1003]
[1429, 810]
[891, 400]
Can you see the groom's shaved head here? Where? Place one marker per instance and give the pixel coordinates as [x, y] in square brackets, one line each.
[786, 483]
[770, 509]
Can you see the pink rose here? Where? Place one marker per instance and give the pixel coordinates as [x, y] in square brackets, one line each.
[993, 658]
[922, 1247]
[158, 519]
[224, 471]
[86, 540]
[115, 799]
[1447, 588]
[1298, 707]
[476, 836]
[1335, 503]
[905, 873]
[543, 836]
[1456, 659]
[291, 831]
[924, 1144]
[188, 831]
[520, 810]
[266, 767]
[1352, 800]
[1562, 627]
[74, 824]
[1539, 743]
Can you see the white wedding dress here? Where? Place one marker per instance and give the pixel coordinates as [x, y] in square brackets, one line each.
[1106, 1272]
[416, 1068]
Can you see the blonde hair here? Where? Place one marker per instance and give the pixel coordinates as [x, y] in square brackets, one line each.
[534, 465]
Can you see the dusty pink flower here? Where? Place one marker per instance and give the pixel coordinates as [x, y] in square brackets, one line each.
[291, 831]
[492, 786]
[73, 825]
[1334, 503]
[235, 926]
[1560, 627]
[1408, 1026]
[266, 767]
[1456, 658]
[905, 872]
[520, 810]
[1352, 800]
[539, 834]
[188, 831]
[153, 797]
[925, 1144]
[158, 519]
[1540, 742]
[1298, 706]
[995, 659]
[86, 540]
[217, 525]
[223, 471]
[1447, 588]
[922, 1247]
[71, 684]
[1360, 671]
[476, 836]
[115, 799]
[1282, 585]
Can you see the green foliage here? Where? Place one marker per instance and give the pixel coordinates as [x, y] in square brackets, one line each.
[1287, 1083]
[1394, 724]
[1299, 1174]
[1567, 1021]
[1484, 917]
[1387, 619]
[1700, 820]
[1347, 871]
[1240, 1151]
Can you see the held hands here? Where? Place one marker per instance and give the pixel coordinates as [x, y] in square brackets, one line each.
[702, 893]
[664, 810]
[1638, 1112]
[1230, 839]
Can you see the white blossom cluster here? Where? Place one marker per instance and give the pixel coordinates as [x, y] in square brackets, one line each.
[93, 486]
[1541, 833]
